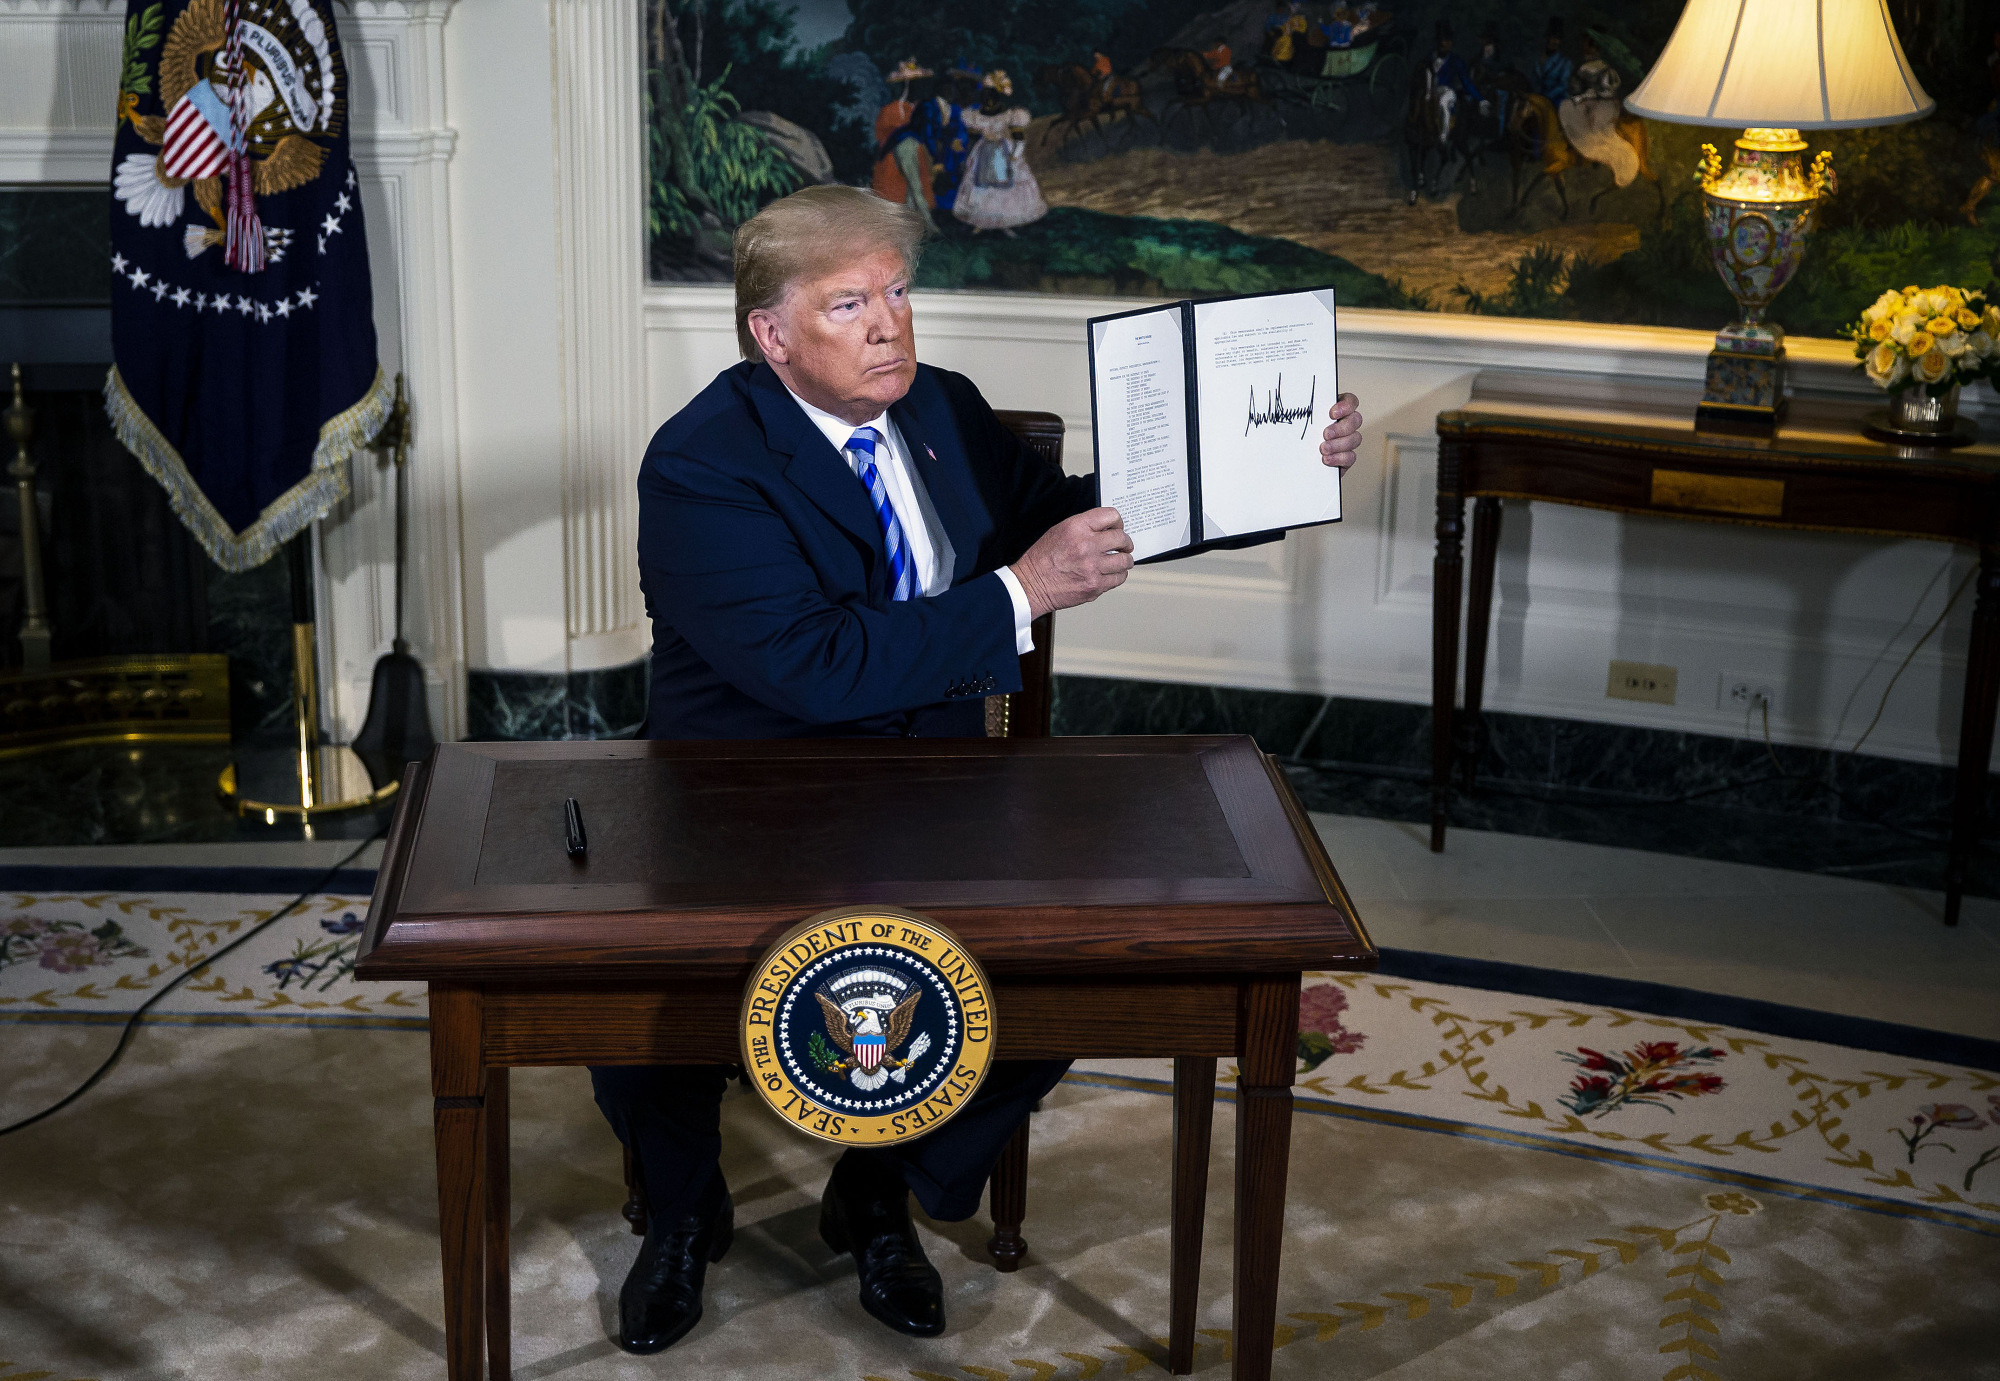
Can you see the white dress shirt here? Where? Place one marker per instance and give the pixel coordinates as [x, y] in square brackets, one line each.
[930, 545]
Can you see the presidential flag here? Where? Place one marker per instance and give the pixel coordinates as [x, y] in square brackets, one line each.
[242, 325]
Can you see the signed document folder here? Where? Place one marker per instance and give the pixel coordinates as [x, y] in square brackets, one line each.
[1206, 419]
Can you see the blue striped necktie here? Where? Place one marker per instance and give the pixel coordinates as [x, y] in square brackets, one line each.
[902, 570]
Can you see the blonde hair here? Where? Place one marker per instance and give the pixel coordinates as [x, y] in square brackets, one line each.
[814, 230]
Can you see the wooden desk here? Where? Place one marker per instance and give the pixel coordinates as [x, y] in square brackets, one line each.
[1171, 887]
[1817, 475]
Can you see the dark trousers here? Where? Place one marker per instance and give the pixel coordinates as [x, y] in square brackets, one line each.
[670, 1116]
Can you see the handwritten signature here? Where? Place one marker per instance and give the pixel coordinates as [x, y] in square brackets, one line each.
[1275, 413]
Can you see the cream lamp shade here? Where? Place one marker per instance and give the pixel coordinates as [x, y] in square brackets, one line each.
[1790, 64]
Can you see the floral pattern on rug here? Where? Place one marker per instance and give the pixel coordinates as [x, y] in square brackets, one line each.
[319, 964]
[1322, 1034]
[1747, 1109]
[1648, 1075]
[1952, 1117]
[124, 945]
[63, 945]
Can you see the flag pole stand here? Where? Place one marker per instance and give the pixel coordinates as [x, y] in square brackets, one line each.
[310, 778]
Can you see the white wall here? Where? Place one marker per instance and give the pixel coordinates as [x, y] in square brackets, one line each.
[499, 151]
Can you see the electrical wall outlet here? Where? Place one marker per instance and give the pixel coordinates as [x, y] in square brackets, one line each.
[1641, 681]
[1745, 694]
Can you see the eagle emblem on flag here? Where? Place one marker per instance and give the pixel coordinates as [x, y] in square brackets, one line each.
[247, 103]
[242, 320]
[870, 1043]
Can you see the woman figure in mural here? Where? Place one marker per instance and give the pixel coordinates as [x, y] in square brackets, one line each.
[1285, 32]
[1539, 131]
[999, 191]
[1590, 117]
[902, 166]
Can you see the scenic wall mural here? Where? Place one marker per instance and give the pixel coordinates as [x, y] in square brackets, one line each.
[1465, 157]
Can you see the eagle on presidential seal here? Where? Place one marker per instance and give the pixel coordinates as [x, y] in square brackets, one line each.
[869, 1018]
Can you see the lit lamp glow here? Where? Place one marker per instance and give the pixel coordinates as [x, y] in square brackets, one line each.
[1776, 67]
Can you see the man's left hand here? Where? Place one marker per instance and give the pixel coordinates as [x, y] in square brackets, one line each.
[1340, 443]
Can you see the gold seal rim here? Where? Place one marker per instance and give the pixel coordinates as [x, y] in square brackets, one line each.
[852, 1129]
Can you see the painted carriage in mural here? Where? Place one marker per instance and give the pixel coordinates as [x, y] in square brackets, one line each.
[1368, 74]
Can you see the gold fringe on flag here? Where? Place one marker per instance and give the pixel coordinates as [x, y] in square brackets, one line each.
[324, 486]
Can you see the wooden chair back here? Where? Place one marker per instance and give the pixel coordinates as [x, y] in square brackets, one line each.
[1025, 714]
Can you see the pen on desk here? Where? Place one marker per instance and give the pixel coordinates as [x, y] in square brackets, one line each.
[574, 842]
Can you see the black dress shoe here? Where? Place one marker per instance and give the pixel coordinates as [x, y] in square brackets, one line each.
[867, 1212]
[661, 1300]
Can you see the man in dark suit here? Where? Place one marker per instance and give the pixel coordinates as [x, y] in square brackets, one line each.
[837, 541]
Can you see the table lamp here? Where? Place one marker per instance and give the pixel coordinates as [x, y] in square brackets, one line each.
[1776, 67]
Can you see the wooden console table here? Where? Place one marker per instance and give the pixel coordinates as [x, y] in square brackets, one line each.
[1817, 475]
[1170, 888]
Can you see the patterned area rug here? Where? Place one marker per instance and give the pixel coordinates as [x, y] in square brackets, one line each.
[1495, 1173]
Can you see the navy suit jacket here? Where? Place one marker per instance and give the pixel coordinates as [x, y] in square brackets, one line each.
[767, 580]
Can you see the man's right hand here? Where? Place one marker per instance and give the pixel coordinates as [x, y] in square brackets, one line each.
[1075, 561]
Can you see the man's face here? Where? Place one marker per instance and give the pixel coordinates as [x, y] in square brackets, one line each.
[843, 340]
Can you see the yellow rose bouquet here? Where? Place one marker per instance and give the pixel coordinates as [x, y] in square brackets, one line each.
[1929, 338]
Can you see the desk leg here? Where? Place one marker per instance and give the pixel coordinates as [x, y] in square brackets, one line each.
[1478, 622]
[458, 1101]
[1265, 1070]
[1194, 1120]
[1447, 574]
[499, 1292]
[1975, 732]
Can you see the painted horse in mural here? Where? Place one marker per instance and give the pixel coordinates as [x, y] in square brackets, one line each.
[1196, 90]
[1085, 98]
[1535, 137]
[1435, 130]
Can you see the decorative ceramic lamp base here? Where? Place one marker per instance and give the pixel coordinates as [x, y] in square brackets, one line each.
[1758, 214]
[1746, 379]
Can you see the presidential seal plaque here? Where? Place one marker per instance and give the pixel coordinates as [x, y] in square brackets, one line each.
[867, 1026]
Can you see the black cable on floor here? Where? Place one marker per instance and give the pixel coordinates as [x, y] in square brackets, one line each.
[132, 1022]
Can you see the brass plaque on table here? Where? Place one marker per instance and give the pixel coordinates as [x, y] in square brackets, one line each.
[1719, 493]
